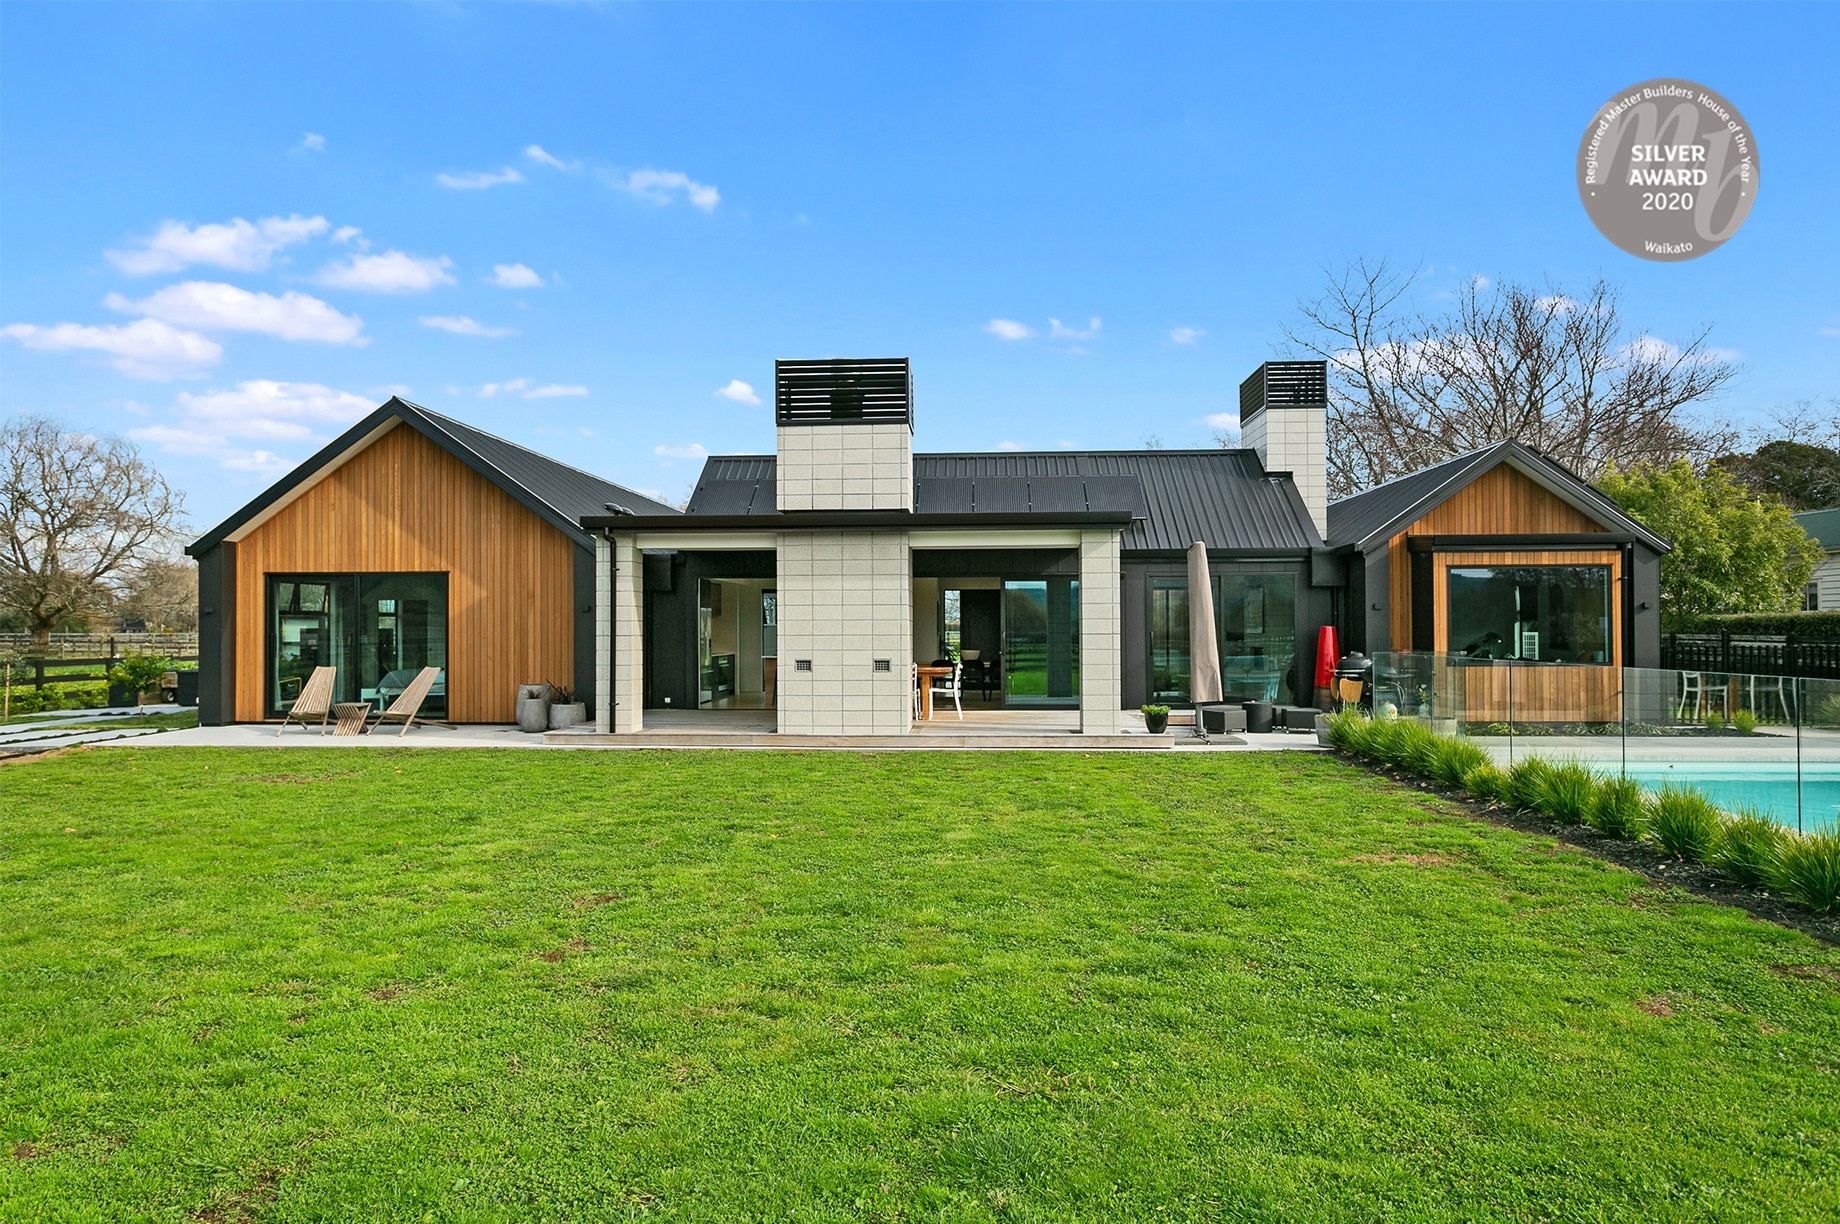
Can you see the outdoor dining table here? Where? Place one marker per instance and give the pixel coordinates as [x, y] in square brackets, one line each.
[349, 716]
[926, 672]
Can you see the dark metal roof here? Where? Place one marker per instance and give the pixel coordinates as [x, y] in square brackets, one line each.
[555, 492]
[1220, 497]
[1370, 518]
[1823, 526]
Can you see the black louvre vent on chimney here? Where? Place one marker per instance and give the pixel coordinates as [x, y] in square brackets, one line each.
[1284, 384]
[845, 390]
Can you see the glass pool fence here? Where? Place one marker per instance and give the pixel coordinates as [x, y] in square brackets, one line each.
[1764, 744]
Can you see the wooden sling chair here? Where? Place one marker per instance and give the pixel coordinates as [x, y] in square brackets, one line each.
[315, 698]
[409, 704]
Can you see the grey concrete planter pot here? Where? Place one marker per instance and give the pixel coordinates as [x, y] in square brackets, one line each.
[533, 707]
[1322, 731]
[572, 715]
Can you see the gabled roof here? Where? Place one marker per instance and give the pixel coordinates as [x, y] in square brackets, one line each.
[1173, 498]
[1369, 519]
[1823, 525]
[555, 492]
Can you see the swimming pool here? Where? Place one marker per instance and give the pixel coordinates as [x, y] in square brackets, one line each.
[1767, 788]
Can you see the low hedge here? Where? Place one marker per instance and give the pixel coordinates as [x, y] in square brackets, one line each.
[1802, 866]
[25, 699]
[1805, 625]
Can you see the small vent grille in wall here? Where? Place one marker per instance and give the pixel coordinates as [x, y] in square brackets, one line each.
[884, 665]
[801, 665]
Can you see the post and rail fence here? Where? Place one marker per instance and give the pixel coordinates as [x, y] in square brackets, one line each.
[24, 665]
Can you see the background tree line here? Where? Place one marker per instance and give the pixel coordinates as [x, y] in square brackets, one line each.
[1570, 375]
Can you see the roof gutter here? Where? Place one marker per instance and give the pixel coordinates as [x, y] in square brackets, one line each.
[847, 520]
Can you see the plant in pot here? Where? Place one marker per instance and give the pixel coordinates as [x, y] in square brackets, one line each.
[564, 710]
[1156, 718]
[139, 674]
[533, 707]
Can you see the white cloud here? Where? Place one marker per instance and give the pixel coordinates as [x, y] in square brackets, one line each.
[1830, 331]
[738, 391]
[313, 142]
[521, 387]
[1010, 446]
[213, 306]
[231, 426]
[461, 325]
[352, 234]
[1058, 332]
[1008, 329]
[537, 153]
[1479, 282]
[390, 272]
[665, 186]
[1223, 420]
[477, 180]
[515, 276]
[1187, 335]
[691, 450]
[145, 348]
[238, 245]
[1557, 303]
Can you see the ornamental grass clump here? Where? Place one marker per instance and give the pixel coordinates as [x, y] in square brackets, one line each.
[1568, 792]
[1451, 758]
[1685, 824]
[1619, 809]
[1807, 868]
[1484, 782]
[1525, 782]
[1748, 848]
[1349, 729]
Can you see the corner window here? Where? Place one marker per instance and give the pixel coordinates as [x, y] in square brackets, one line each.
[1535, 613]
[1255, 626]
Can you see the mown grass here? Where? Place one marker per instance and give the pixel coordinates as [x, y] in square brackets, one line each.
[380, 985]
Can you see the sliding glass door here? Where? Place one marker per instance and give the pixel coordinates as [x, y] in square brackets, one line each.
[1041, 642]
[1255, 628]
[377, 630]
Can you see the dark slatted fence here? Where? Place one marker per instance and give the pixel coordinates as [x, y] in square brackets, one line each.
[1812, 659]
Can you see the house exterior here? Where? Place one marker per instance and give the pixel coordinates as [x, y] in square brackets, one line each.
[810, 582]
[1823, 591]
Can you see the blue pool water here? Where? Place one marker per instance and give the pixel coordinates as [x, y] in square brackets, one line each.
[1767, 789]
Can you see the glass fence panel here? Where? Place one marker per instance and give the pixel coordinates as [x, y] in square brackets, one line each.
[1756, 743]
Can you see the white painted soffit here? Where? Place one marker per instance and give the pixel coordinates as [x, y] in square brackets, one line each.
[325, 470]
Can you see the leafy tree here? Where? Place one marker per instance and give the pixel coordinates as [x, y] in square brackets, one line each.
[1733, 552]
[141, 673]
[1566, 374]
[1804, 476]
[77, 512]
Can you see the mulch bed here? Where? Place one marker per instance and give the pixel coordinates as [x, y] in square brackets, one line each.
[1650, 862]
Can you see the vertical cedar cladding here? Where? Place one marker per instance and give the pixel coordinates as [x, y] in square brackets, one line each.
[843, 390]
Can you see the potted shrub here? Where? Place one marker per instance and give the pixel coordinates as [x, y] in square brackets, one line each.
[564, 710]
[533, 707]
[136, 674]
[1156, 718]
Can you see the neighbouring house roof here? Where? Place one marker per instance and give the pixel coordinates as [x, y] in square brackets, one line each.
[1823, 525]
[555, 492]
[1173, 498]
[1369, 519]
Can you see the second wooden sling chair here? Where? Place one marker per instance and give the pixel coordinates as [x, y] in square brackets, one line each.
[315, 699]
[409, 704]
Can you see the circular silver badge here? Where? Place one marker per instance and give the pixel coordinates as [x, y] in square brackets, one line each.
[1668, 170]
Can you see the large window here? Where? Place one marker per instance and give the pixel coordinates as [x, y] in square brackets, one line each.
[1543, 613]
[1041, 642]
[1255, 626]
[378, 630]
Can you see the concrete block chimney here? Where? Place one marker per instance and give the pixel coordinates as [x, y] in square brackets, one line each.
[846, 434]
[1281, 416]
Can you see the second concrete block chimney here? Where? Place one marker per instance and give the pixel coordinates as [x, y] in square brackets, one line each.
[1281, 416]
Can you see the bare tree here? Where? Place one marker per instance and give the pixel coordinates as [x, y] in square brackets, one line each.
[77, 513]
[161, 593]
[1563, 374]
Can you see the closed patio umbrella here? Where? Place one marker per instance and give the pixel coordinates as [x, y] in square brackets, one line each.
[1203, 648]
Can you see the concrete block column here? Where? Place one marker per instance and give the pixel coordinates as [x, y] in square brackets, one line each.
[603, 634]
[845, 604]
[1101, 653]
[628, 624]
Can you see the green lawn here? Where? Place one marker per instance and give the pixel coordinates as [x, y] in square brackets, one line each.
[467, 986]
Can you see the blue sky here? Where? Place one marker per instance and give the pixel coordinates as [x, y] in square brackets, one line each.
[713, 187]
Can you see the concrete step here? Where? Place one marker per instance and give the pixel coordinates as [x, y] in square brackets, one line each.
[928, 742]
